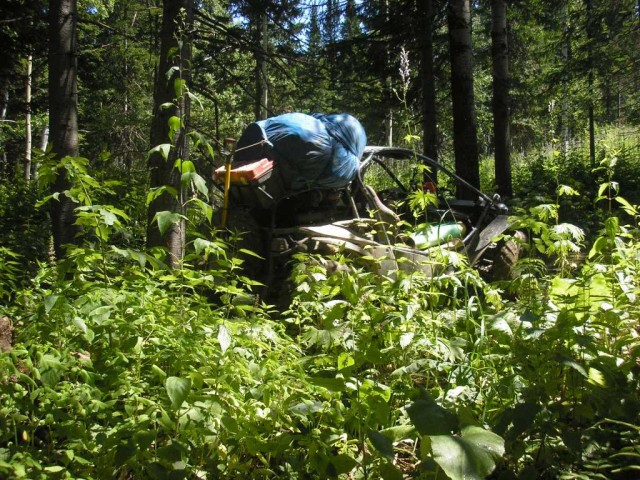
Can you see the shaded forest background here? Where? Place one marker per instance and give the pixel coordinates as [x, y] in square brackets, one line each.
[573, 69]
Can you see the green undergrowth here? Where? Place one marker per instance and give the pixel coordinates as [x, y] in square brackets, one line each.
[120, 367]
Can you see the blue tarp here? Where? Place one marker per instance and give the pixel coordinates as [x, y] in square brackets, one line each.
[322, 151]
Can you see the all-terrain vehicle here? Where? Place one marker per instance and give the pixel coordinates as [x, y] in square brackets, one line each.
[369, 217]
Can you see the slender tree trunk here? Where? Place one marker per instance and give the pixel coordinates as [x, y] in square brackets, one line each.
[4, 105]
[590, 39]
[262, 85]
[566, 52]
[429, 114]
[388, 118]
[63, 113]
[465, 140]
[500, 55]
[44, 141]
[162, 170]
[27, 150]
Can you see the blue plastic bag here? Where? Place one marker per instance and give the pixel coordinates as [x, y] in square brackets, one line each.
[321, 151]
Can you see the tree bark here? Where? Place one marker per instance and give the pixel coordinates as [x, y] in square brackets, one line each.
[501, 134]
[464, 116]
[429, 114]
[262, 85]
[4, 105]
[388, 117]
[566, 55]
[590, 110]
[63, 114]
[166, 105]
[27, 149]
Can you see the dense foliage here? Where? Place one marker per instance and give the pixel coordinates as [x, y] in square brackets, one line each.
[122, 368]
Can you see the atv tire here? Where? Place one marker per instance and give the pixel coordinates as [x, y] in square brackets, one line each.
[506, 256]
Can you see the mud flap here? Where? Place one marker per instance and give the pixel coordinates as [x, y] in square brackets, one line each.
[497, 226]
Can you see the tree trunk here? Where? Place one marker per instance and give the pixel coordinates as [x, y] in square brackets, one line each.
[464, 116]
[500, 55]
[262, 85]
[566, 53]
[4, 105]
[27, 149]
[44, 141]
[166, 106]
[388, 117]
[590, 39]
[63, 113]
[429, 117]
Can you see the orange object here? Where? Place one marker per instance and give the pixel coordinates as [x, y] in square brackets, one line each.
[245, 173]
[430, 187]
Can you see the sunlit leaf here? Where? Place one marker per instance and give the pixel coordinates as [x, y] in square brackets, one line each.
[596, 377]
[162, 149]
[224, 338]
[49, 302]
[470, 456]
[167, 219]
[178, 389]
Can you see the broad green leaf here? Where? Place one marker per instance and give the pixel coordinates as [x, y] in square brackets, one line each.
[345, 361]
[567, 190]
[78, 322]
[224, 338]
[382, 443]
[342, 463]
[400, 432]
[596, 377]
[166, 219]
[49, 302]
[54, 469]
[108, 217]
[333, 384]
[230, 423]
[177, 388]
[627, 207]
[430, 418]
[174, 69]
[195, 97]
[174, 123]
[205, 208]
[249, 252]
[388, 471]
[162, 149]
[156, 192]
[598, 246]
[499, 323]
[184, 166]
[406, 339]
[575, 365]
[198, 182]
[179, 86]
[200, 244]
[471, 456]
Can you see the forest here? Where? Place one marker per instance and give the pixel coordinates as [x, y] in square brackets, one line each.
[137, 340]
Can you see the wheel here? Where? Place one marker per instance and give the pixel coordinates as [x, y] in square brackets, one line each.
[506, 256]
